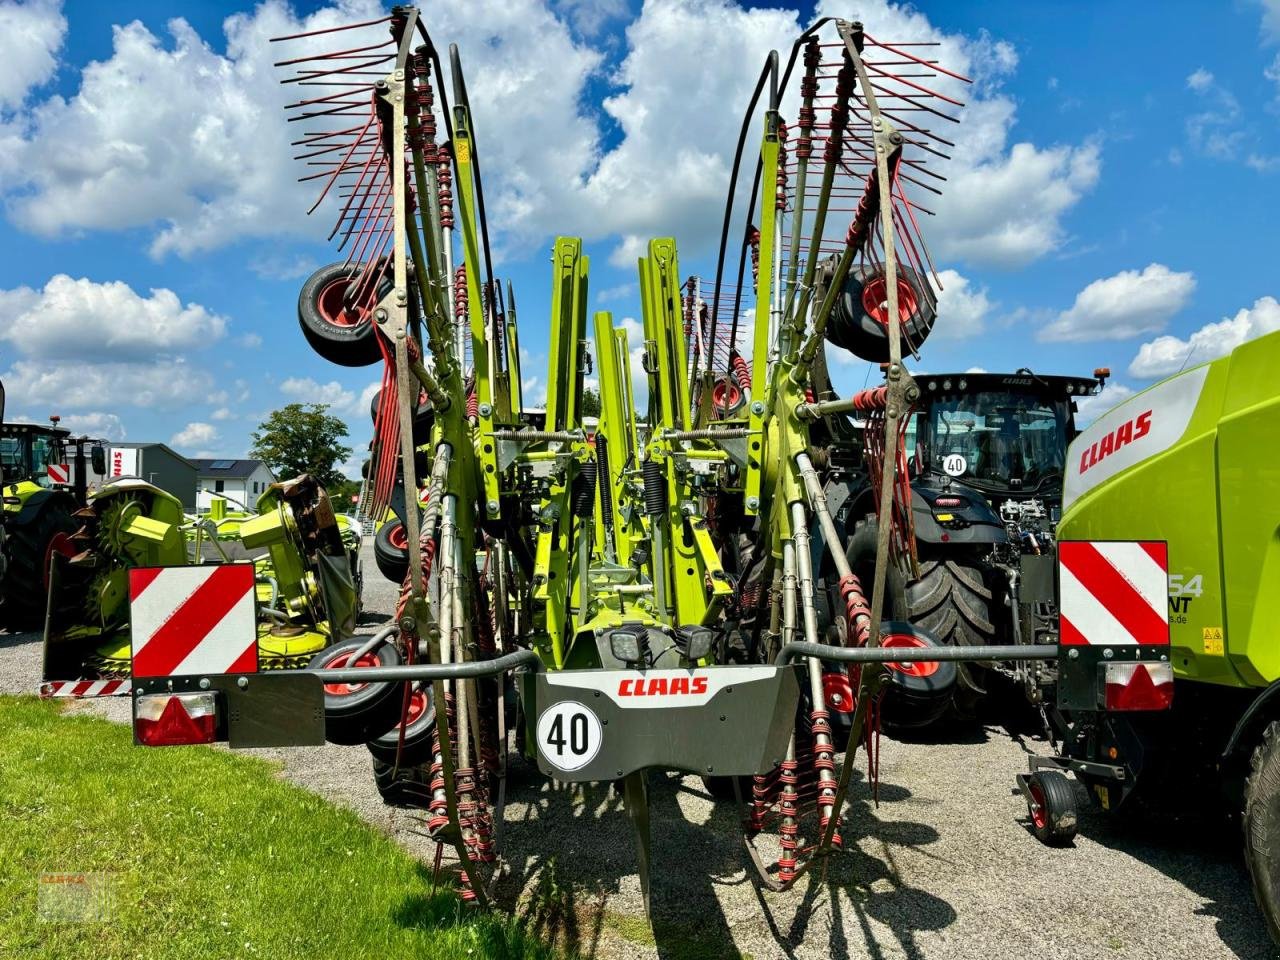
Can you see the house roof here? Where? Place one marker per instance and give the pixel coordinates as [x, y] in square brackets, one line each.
[228, 469]
[152, 446]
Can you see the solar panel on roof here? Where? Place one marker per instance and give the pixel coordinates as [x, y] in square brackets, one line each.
[222, 465]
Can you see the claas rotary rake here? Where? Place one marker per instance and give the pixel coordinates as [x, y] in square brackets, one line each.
[655, 593]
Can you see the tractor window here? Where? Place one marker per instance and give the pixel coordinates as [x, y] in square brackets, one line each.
[1010, 440]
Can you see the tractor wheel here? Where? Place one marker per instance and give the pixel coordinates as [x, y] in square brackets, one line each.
[358, 712]
[1261, 824]
[340, 331]
[408, 786]
[919, 693]
[417, 732]
[952, 601]
[24, 592]
[1052, 807]
[859, 322]
[391, 551]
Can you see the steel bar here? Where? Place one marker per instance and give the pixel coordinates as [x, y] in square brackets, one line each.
[1009, 651]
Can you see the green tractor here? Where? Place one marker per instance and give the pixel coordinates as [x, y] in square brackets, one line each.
[1189, 470]
[986, 456]
[41, 493]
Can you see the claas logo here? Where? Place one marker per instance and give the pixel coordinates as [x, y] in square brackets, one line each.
[1127, 432]
[662, 687]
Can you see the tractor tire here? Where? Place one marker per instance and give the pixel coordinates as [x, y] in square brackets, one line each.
[952, 601]
[409, 786]
[24, 591]
[1052, 808]
[418, 733]
[347, 337]
[1261, 823]
[391, 551]
[859, 322]
[358, 713]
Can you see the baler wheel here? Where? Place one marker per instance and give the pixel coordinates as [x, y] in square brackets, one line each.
[1052, 807]
[1261, 823]
[339, 330]
[417, 733]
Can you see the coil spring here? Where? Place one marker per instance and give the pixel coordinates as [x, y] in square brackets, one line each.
[753, 238]
[781, 202]
[606, 501]
[655, 488]
[741, 370]
[857, 609]
[840, 112]
[444, 177]
[584, 489]
[460, 294]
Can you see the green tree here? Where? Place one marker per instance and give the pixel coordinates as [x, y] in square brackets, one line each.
[302, 438]
[590, 402]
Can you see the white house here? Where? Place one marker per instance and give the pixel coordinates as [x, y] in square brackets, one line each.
[240, 481]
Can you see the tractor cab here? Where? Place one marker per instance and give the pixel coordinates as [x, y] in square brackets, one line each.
[28, 449]
[1004, 436]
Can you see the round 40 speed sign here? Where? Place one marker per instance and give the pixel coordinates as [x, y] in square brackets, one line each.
[569, 735]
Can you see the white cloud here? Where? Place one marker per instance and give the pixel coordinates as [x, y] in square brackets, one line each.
[1200, 80]
[99, 425]
[195, 434]
[588, 17]
[94, 321]
[962, 308]
[1167, 355]
[976, 370]
[31, 35]
[1270, 20]
[250, 341]
[222, 413]
[162, 383]
[332, 394]
[1089, 409]
[1122, 306]
[190, 142]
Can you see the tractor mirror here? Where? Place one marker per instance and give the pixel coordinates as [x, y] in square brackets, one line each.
[98, 457]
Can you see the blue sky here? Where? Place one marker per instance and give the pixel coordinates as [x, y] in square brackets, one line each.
[1112, 198]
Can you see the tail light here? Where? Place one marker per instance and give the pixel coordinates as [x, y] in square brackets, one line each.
[1139, 686]
[174, 719]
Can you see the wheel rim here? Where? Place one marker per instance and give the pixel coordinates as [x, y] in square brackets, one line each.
[837, 692]
[726, 394]
[331, 304]
[1039, 815]
[398, 538]
[921, 668]
[875, 300]
[346, 689]
[418, 704]
[60, 543]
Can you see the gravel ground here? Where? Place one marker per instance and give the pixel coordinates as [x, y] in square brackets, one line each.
[944, 869]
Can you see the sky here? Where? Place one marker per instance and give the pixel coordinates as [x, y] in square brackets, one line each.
[1111, 199]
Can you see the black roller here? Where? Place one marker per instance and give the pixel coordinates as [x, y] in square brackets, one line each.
[655, 488]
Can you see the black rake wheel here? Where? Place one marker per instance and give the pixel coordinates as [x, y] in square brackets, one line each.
[339, 329]
[356, 713]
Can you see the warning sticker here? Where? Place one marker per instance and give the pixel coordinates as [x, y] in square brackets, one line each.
[1213, 646]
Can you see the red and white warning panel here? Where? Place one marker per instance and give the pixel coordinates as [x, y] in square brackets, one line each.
[83, 689]
[58, 472]
[193, 620]
[1114, 592]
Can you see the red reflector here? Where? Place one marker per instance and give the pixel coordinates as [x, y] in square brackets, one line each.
[948, 502]
[168, 720]
[1139, 686]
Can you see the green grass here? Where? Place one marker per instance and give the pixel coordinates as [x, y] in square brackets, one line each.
[211, 857]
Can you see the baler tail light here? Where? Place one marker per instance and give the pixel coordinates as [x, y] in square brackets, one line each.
[174, 719]
[1139, 686]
